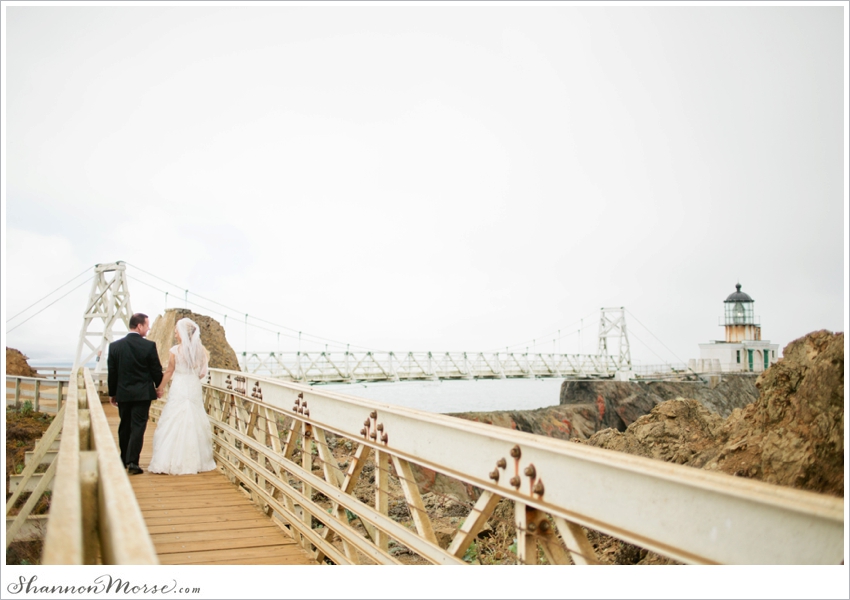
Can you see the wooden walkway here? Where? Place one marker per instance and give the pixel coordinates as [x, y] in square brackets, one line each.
[204, 519]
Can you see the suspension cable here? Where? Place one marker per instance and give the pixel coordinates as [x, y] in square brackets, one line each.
[49, 305]
[48, 295]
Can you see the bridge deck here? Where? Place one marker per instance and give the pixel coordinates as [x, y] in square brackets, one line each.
[204, 519]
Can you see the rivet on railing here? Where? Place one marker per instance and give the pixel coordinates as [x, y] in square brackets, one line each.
[502, 463]
[530, 471]
[515, 482]
[367, 423]
[494, 475]
[298, 400]
[538, 488]
[374, 414]
[306, 413]
[363, 432]
[516, 452]
[380, 426]
[544, 526]
[384, 437]
[373, 435]
[531, 527]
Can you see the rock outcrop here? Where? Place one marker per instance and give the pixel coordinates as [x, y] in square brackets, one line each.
[590, 406]
[793, 435]
[213, 337]
[16, 364]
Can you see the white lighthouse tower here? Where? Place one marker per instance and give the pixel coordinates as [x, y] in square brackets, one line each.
[743, 350]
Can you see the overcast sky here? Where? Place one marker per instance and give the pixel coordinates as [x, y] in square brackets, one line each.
[436, 178]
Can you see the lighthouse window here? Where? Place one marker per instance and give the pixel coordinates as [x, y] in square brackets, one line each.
[738, 356]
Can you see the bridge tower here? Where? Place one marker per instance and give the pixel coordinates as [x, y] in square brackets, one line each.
[109, 301]
[612, 324]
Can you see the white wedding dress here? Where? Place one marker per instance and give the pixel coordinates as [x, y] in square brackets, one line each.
[182, 442]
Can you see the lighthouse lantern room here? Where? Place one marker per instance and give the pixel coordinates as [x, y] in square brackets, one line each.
[743, 349]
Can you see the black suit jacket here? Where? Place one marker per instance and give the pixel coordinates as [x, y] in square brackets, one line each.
[134, 369]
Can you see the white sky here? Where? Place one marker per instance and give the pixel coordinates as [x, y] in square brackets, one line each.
[405, 177]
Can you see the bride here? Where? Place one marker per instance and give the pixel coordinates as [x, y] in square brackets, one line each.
[182, 442]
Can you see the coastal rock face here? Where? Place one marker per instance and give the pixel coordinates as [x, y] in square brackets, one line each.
[632, 400]
[792, 435]
[590, 406]
[16, 364]
[213, 338]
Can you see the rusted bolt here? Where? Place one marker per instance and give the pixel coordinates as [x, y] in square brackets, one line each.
[538, 487]
[295, 409]
[531, 527]
[516, 452]
[544, 526]
[502, 463]
[298, 401]
[306, 413]
[384, 438]
[530, 471]
[308, 433]
[366, 422]
[515, 482]
[380, 426]
[363, 432]
[373, 435]
[374, 414]
[494, 475]
[304, 403]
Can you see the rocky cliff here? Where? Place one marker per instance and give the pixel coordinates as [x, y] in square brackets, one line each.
[16, 364]
[213, 338]
[792, 435]
[590, 406]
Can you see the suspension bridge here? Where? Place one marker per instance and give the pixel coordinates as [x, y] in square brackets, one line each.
[320, 477]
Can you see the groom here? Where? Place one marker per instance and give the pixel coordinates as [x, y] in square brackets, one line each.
[134, 374]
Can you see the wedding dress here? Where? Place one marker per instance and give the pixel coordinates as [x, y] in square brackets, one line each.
[182, 442]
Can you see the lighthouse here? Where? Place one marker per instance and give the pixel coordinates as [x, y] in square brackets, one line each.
[742, 350]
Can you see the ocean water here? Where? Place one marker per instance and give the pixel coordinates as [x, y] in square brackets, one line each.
[458, 396]
[477, 395]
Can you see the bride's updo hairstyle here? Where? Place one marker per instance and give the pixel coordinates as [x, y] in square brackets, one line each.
[191, 350]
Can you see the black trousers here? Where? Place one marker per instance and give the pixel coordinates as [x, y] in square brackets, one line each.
[131, 429]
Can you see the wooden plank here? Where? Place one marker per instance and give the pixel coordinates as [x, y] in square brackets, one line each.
[256, 531]
[414, 499]
[201, 557]
[220, 544]
[473, 523]
[576, 541]
[45, 444]
[123, 533]
[185, 526]
[206, 520]
[184, 512]
[32, 529]
[63, 543]
[177, 503]
[26, 509]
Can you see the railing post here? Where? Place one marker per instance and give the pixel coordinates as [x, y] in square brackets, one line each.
[37, 393]
[17, 393]
[59, 395]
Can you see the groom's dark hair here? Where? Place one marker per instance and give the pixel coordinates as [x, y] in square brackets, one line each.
[137, 319]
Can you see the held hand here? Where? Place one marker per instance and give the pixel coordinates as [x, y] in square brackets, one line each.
[159, 392]
[112, 401]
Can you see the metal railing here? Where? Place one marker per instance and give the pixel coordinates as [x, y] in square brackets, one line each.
[317, 367]
[328, 466]
[94, 514]
[45, 395]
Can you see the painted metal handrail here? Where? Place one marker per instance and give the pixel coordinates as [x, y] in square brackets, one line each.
[272, 439]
